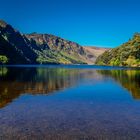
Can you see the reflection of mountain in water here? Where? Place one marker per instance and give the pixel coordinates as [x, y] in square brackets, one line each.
[17, 81]
[129, 79]
[37, 80]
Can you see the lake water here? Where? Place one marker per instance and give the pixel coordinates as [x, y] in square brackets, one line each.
[69, 103]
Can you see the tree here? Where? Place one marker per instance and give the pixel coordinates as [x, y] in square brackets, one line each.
[3, 59]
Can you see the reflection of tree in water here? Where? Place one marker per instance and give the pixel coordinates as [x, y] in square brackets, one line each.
[129, 79]
[3, 71]
[19, 81]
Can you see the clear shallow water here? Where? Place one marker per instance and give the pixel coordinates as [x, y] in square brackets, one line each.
[69, 103]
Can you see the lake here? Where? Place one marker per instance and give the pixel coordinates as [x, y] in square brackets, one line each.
[77, 102]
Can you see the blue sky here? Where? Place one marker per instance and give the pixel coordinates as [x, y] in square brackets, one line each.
[106, 23]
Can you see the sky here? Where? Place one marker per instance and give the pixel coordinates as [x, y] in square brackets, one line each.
[102, 23]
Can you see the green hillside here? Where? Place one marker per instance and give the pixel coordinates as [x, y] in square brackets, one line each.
[128, 54]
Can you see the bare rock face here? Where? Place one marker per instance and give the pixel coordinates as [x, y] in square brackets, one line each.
[56, 43]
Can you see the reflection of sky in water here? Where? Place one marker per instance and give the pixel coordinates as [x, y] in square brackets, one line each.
[86, 103]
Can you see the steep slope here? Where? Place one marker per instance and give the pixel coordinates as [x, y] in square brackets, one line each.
[128, 54]
[15, 46]
[57, 50]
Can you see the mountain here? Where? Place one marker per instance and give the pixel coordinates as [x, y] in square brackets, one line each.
[57, 50]
[18, 48]
[128, 54]
[93, 52]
